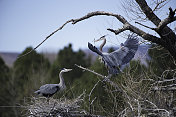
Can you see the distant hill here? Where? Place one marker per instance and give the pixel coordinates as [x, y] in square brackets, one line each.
[142, 55]
[9, 57]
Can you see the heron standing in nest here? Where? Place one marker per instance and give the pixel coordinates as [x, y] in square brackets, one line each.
[49, 90]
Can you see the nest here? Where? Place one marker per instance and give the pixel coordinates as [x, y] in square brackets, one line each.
[42, 107]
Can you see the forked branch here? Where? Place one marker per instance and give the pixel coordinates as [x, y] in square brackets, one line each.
[126, 25]
[171, 18]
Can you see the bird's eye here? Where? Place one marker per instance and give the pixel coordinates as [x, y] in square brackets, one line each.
[63, 69]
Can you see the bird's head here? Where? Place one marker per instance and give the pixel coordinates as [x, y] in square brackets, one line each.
[65, 70]
[101, 38]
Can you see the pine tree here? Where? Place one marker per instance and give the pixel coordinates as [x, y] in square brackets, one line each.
[5, 90]
[161, 60]
[67, 58]
[28, 73]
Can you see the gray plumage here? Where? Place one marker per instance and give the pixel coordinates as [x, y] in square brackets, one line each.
[114, 60]
[49, 90]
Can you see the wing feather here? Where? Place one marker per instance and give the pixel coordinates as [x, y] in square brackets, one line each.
[114, 59]
[49, 88]
[119, 57]
[132, 44]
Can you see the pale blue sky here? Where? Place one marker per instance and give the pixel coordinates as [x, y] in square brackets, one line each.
[26, 23]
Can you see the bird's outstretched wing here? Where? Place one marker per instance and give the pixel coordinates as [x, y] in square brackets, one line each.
[48, 89]
[132, 44]
[94, 49]
[114, 59]
[109, 60]
[119, 57]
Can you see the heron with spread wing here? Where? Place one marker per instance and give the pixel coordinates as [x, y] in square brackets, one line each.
[119, 57]
[49, 90]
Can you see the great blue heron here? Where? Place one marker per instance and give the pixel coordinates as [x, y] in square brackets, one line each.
[120, 57]
[49, 90]
[104, 42]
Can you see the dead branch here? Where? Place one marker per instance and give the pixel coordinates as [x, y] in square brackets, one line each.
[144, 35]
[157, 21]
[166, 80]
[90, 71]
[106, 78]
[145, 26]
[168, 20]
[124, 28]
[126, 25]
[91, 102]
[160, 4]
[74, 21]
[148, 12]
[157, 110]
[60, 28]
[97, 13]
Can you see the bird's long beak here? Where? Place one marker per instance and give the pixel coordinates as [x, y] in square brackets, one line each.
[98, 40]
[101, 38]
[69, 70]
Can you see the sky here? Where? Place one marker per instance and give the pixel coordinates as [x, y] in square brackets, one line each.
[25, 23]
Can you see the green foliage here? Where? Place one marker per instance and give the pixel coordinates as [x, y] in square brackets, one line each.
[29, 72]
[33, 70]
[135, 68]
[5, 91]
[109, 100]
[26, 68]
[87, 81]
[161, 60]
[30, 63]
[67, 58]
[4, 70]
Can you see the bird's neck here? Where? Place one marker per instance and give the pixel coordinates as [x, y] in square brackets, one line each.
[101, 46]
[62, 83]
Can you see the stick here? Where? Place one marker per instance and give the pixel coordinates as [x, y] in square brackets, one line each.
[46, 38]
[90, 71]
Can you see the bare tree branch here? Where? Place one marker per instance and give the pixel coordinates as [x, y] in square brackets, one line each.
[90, 71]
[97, 13]
[60, 28]
[160, 4]
[168, 33]
[124, 28]
[91, 102]
[106, 78]
[148, 12]
[157, 21]
[168, 20]
[74, 21]
[145, 26]
[141, 33]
